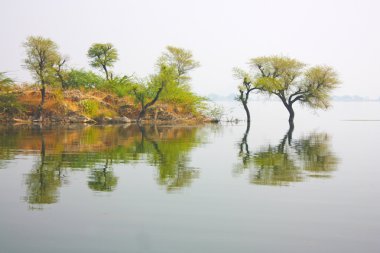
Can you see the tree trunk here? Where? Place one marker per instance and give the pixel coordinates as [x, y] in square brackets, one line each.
[40, 106]
[290, 134]
[141, 114]
[145, 107]
[43, 93]
[247, 112]
[291, 116]
[106, 71]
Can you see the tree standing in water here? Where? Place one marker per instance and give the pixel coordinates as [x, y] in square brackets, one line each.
[292, 82]
[248, 85]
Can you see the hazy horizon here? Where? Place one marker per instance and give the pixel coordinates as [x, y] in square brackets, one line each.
[221, 35]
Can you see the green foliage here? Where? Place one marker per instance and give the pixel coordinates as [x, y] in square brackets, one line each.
[288, 79]
[319, 81]
[185, 98]
[90, 107]
[77, 78]
[102, 56]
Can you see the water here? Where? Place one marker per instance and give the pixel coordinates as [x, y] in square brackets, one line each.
[211, 188]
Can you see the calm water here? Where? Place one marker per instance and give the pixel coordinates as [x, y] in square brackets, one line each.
[212, 188]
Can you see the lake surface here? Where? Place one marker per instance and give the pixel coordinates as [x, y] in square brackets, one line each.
[210, 188]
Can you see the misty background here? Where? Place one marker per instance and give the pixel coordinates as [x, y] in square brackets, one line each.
[221, 35]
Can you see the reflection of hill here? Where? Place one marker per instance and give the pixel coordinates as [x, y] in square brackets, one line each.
[290, 160]
[98, 148]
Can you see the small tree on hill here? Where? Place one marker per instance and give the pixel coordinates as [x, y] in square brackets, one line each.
[103, 56]
[41, 55]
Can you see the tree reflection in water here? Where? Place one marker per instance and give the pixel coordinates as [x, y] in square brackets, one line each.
[98, 149]
[288, 161]
[171, 158]
[44, 179]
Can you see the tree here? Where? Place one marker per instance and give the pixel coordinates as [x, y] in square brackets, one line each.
[103, 56]
[152, 89]
[290, 81]
[182, 60]
[244, 91]
[41, 55]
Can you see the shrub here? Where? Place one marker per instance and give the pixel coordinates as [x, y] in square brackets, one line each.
[89, 107]
[214, 112]
[121, 86]
[77, 78]
[9, 104]
[183, 97]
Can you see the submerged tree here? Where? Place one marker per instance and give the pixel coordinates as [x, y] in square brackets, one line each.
[103, 56]
[41, 55]
[290, 81]
[245, 90]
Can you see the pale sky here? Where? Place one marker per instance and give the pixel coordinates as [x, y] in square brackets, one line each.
[221, 34]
